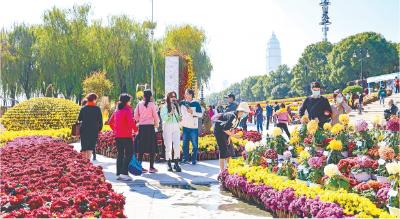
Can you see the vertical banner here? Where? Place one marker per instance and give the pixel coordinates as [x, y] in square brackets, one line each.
[171, 74]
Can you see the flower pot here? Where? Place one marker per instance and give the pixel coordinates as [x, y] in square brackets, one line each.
[382, 179]
[314, 185]
[362, 177]
[345, 154]
[394, 211]
[301, 181]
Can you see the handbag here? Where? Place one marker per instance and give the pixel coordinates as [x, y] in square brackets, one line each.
[76, 129]
[135, 167]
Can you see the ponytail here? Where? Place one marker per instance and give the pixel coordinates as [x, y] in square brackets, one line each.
[124, 98]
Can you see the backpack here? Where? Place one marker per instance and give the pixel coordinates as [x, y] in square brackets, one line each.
[135, 167]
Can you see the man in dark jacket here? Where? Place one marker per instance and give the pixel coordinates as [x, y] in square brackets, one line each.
[317, 106]
[232, 105]
[269, 111]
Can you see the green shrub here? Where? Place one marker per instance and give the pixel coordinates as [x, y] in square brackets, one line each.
[353, 89]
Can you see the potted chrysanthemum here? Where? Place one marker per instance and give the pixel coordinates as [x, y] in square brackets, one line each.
[335, 179]
[393, 169]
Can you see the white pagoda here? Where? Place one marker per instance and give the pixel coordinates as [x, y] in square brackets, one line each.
[273, 53]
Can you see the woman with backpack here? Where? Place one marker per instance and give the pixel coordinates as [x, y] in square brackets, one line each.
[171, 116]
[225, 123]
[147, 117]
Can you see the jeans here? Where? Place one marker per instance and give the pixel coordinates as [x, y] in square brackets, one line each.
[259, 125]
[396, 89]
[382, 100]
[193, 136]
[125, 152]
[268, 121]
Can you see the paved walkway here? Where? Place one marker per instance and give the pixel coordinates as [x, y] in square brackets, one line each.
[193, 193]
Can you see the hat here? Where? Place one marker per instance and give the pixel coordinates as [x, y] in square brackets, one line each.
[230, 96]
[315, 84]
[244, 107]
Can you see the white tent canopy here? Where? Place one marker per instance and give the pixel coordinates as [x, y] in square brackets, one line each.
[380, 78]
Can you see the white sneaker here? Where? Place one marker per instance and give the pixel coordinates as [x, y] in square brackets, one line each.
[125, 177]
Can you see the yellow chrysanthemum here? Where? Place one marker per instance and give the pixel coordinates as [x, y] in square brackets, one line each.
[294, 140]
[139, 94]
[312, 127]
[344, 119]
[335, 145]
[276, 132]
[299, 149]
[304, 155]
[337, 128]
[327, 126]
[377, 120]
[304, 119]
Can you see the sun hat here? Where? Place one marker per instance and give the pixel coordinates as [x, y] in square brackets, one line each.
[244, 107]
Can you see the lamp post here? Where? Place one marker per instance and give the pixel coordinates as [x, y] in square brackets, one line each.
[361, 54]
[152, 49]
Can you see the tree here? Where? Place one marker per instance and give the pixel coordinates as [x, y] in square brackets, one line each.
[383, 58]
[97, 83]
[312, 66]
[191, 40]
[280, 91]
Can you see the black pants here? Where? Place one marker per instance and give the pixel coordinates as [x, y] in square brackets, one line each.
[125, 152]
[268, 121]
[284, 127]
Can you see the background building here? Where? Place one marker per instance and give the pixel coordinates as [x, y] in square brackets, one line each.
[273, 53]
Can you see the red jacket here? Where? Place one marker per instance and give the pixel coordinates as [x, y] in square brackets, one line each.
[122, 123]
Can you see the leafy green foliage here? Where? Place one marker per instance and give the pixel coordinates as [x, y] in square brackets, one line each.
[353, 89]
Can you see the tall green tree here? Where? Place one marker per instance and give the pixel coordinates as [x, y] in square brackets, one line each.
[312, 66]
[191, 40]
[383, 58]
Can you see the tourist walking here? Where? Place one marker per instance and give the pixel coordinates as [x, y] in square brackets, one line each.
[224, 129]
[396, 85]
[339, 107]
[191, 112]
[316, 105]
[232, 105]
[123, 126]
[171, 116]
[360, 102]
[147, 118]
[382, 95]
[269, 112]
[210, 111]
[283, 119]
[91, 122]
[259, 118]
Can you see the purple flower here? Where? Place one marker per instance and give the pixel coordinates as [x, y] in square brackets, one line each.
[361, 125]
[287, 154]
[394, 124]
[315, 162]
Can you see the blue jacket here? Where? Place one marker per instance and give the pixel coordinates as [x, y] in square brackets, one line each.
[259, 114]
[269, 110]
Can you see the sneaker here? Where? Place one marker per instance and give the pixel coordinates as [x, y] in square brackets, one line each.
[125, 177]
[194, 162]
[118, 177]
[184, 162]
[153, 170]
[144, 170]
[177, 168]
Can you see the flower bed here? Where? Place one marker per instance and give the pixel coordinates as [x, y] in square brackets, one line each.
[45, 177]
[64, 133]
[41, 114]
[343, 163]
[208, 148]
[290, 198]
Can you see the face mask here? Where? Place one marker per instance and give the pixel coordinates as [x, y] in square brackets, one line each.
[316, 93]
[339, 99]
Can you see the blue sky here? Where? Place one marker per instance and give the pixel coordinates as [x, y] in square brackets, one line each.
[237, 30]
